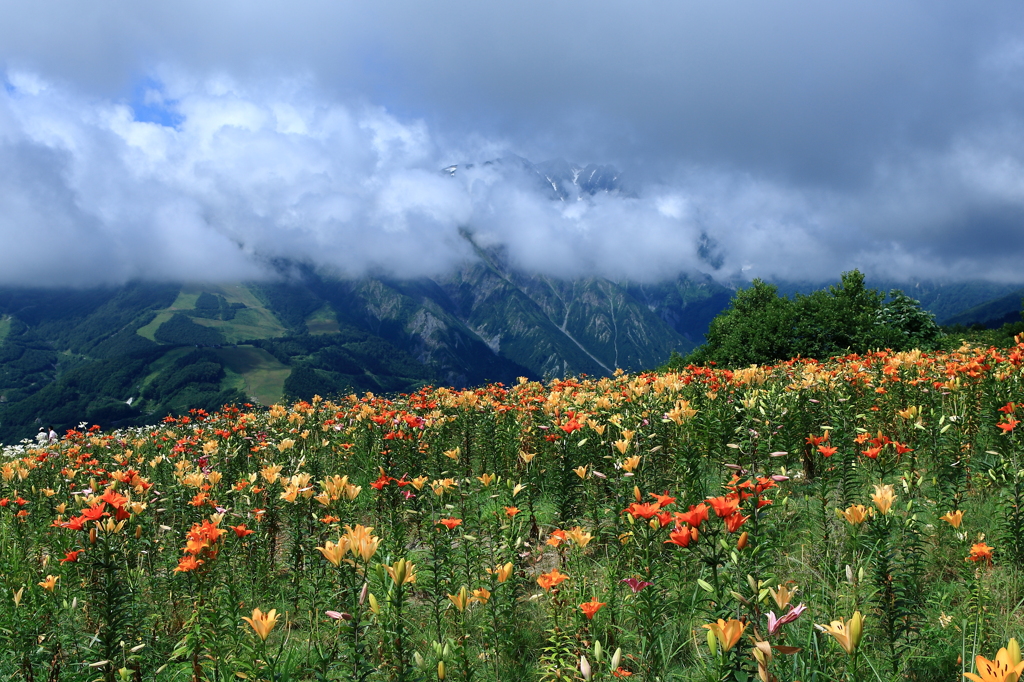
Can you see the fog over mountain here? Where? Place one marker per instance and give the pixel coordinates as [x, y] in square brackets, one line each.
[790, 140]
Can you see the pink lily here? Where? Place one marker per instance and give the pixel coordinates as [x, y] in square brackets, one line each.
[774, 623]
[635, 584]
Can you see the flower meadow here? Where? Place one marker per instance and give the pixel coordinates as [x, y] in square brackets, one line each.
[856, 519]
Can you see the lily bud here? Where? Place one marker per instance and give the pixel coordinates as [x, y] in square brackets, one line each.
[399, 572]
[712, 642]
[636, 494]
[742, 542]
[374, 606]
[585, 667]
[92, 536]
[440, 670]
[363, 592]
[1013, 651]
[616, 659]
[856, 629]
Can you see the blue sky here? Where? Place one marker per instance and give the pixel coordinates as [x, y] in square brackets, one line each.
[803, 138]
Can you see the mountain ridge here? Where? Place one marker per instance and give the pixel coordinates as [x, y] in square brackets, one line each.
[130, 354]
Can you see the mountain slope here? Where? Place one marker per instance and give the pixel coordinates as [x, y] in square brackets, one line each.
[131, 354]
[993, 313]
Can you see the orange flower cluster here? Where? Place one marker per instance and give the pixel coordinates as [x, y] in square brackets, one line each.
[552, 579]
[97, 510]
[201, 545]
[980, 552]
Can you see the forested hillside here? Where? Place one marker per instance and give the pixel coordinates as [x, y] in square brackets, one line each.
[133, 354]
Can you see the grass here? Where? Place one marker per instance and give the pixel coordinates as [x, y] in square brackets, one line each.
[149, 331]
[163, 363]
[254, 321]
[186, 299]
[323, 321]
[255, 371]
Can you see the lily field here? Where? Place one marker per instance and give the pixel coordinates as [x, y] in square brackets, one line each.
[857, 519]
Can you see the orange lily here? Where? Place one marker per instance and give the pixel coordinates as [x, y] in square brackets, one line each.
[1006, 668]
[552, 579]
[728, 632]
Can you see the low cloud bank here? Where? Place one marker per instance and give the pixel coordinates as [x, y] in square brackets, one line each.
[209, 178]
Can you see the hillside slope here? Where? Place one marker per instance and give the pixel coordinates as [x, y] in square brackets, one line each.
[132, 354]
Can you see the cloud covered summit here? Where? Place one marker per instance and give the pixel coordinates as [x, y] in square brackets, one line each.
[792, 140]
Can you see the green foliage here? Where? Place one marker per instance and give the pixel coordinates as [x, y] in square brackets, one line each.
[180, 330]
[332, 364]
[902, 324]
[97, 392]
[291, 302]
[761, 327]
[215, 307]
[27, 363]
[756, 329]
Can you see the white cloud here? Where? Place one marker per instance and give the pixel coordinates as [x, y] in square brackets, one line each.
[278, 168]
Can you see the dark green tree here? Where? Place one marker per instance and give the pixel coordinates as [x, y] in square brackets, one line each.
[837, 320]
[756, 328]
[761, 327]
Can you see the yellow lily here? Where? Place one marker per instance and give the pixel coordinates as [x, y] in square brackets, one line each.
[954, 518]
[855, 514]
[631, 463]
[847, 634]
[460, 599]
[262, 623]
[502, 573]
[361, 542]
[883, 498]
[334, 552]
[783, 595]
[579, 536]
[402, 572]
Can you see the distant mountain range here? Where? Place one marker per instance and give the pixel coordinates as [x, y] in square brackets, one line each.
[951, 303]
[132, 354]
[557, 179]
[991, 314]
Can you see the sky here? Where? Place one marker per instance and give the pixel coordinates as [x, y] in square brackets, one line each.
[790, 140]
